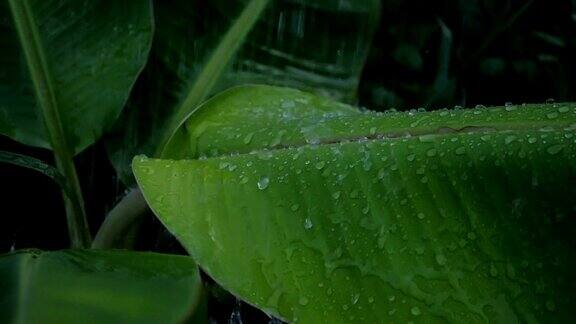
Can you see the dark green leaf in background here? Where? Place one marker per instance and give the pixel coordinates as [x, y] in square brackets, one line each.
[93, 51]
[276, 51]
[88, 286]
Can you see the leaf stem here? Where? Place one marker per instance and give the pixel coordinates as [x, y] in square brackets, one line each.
[36, 165]
[120, 219]
[48, 104]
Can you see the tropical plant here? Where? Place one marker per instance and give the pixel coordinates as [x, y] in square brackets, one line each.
[307, 208]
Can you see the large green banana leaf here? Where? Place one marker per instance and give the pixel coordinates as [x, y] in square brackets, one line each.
[88, 286]
[90, 53]
[459, 216]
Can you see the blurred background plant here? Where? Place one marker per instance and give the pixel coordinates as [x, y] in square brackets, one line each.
[381, 55]
[444, 53]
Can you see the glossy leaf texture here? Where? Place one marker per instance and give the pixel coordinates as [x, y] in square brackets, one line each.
[462, 216]
[276, 51]
[245, 118]
[93, 51]
[90, 286]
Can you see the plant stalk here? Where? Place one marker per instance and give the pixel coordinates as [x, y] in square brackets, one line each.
[120, 219]
[40, 74]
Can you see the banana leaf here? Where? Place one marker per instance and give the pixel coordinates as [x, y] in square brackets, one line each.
[460, 216]
[90, 286]
[76, 59]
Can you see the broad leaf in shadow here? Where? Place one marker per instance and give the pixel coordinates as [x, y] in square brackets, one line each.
[90, 54]
[89, 286]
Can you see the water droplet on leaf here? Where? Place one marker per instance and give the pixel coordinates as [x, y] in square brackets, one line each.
[308, 223]
[263, 183]
[555, 149]
[441, 259]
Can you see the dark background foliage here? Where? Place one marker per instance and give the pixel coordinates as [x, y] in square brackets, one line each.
[495, 52]
[429, 54]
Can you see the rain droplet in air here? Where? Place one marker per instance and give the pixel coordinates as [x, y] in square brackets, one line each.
[355, 299]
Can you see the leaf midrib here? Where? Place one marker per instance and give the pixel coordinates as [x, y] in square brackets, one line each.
[439, 131]
[42, 82]
[40, 74]
[409, 132]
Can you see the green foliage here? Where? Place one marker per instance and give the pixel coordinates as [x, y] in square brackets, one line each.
[80, 61]
[201, 49]
[310, 209]
[498, 51]
[433, 217]
[239, 120]
[178, 90]
[90, 53]
[89, 286]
